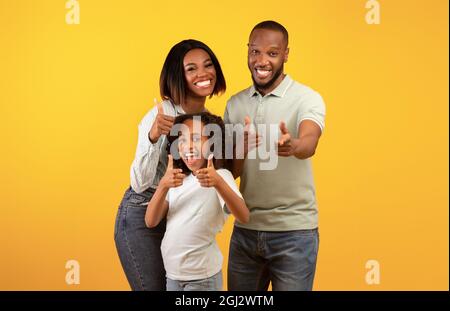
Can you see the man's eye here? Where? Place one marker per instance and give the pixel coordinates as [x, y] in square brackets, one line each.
[273, 54]
[254, 52]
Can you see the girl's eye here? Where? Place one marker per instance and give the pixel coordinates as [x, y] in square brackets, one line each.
[190, 69]
[208, 65]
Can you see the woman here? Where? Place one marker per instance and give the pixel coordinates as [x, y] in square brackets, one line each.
[191, 72]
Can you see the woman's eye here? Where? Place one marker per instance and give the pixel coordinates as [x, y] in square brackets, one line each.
[208, 65]
[190, 69]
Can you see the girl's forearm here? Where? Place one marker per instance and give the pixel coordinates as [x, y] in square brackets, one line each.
[235, 204]
[157, 207]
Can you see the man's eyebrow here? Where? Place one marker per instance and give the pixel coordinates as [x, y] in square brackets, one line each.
[271, 47]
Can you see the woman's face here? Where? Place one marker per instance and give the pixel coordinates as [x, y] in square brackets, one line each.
[200, 73]
[192, 144]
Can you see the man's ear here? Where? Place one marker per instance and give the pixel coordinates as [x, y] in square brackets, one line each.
[286, 55]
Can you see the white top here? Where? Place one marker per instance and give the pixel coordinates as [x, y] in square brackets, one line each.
[196, 214]
[150, 161]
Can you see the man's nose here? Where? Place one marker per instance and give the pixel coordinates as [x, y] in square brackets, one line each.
[261, 60]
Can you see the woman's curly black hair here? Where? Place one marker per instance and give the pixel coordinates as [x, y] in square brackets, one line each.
[206, 118]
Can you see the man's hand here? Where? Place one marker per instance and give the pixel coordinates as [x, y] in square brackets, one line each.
[173, 177]
[208, 176]
[162, 125]
[302, 147]
[286, 142]
[251, 140]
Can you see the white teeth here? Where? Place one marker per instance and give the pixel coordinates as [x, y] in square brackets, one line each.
[263, 73]
[190, 154]
[203, 83]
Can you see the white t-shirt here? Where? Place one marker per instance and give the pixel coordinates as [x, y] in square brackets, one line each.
[196, 214]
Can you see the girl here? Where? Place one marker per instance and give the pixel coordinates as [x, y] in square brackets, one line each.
[190, 74]
[196, 199]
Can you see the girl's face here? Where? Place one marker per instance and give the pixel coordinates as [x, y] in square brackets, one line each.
[191, 144]
[200, 73]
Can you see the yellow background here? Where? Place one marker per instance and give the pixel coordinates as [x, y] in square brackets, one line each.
[72, 96]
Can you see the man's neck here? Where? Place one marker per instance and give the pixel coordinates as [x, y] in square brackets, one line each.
[263, 92]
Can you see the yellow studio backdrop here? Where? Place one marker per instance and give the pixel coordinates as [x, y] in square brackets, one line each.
[72, 96]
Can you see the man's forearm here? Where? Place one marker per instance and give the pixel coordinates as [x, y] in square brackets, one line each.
[304, 147]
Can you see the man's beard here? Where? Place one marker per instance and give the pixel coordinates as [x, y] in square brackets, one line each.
[269, 83]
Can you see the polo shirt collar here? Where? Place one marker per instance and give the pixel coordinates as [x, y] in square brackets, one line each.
[279, 91]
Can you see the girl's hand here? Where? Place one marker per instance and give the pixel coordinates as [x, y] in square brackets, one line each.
[208, 176]
[162, 125]
[173, 177]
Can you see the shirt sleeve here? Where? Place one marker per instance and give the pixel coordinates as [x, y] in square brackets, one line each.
[145, 163]
[312, 108]
[229, 180]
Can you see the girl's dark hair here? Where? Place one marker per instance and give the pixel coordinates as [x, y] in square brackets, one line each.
[172, 83]
[206, 118]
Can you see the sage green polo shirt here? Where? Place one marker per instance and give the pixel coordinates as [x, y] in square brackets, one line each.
[283, 198]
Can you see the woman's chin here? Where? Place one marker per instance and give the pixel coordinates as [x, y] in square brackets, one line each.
[206, 92]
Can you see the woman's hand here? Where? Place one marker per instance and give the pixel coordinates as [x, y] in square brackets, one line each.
[173, 176]
[162, 124]
[208, 176]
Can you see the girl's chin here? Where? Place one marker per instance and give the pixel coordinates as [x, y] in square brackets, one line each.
[193, 165]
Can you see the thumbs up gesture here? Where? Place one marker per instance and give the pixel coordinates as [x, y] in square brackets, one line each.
[208, 176]
[251, 140]
[285, 148]
[173, 176]
[162, 124]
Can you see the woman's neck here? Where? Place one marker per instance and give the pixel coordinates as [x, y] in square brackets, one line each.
[194, 104]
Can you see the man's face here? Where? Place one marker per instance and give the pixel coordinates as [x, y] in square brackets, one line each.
[267, 53]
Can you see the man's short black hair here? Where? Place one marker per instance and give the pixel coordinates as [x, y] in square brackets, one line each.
[272, 25]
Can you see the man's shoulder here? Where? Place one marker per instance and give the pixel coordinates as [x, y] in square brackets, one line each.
[302, 90]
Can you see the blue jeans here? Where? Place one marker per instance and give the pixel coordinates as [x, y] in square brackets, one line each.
[139, 247]
[213, 283]
[287, 259]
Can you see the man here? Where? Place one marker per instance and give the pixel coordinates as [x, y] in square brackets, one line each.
[280, 242]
